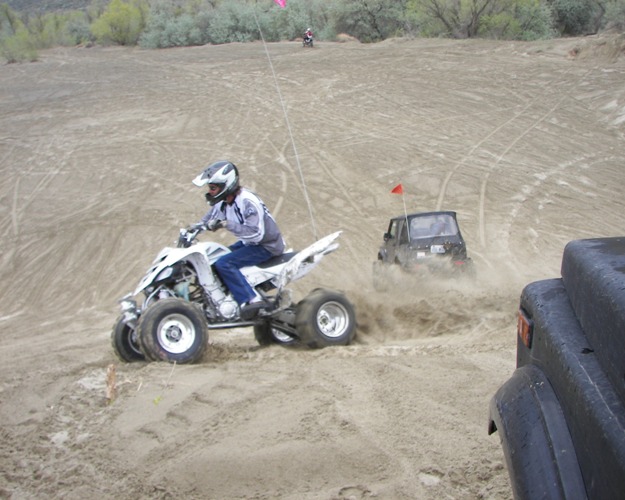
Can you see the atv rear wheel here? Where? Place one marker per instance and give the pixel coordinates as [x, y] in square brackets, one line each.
[126, 342]
[325, 318]
[173, 330]
[265, 334]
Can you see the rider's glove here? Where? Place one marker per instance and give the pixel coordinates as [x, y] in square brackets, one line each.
[199, 227]
[214, 224]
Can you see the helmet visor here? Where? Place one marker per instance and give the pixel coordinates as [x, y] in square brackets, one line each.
[201, 180]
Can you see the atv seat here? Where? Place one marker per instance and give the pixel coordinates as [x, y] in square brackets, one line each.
[278, 259]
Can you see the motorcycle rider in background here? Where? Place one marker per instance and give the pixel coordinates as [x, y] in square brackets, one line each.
[245, 215]
[308, 34]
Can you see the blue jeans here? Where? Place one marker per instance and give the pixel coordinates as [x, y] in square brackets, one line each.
[228, 268]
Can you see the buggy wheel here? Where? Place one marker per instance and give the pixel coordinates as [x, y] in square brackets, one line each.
[173, 330]
[325, 318]
[126, 342]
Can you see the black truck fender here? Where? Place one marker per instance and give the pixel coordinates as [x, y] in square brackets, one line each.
[561, 416]
[535, 438]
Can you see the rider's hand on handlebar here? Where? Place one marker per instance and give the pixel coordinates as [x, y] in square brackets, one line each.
[214, 224]
[199, 227]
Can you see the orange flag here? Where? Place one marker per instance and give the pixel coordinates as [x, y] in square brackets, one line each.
[399, 189]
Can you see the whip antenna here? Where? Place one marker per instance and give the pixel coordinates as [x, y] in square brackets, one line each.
[288, 125]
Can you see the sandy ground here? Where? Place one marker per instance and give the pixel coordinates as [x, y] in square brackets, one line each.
[97, 151]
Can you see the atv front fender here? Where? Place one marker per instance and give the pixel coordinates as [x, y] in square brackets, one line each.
[535, 438]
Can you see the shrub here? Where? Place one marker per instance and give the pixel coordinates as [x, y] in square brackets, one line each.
[614, 17]
[16, 44]
[79, 31]
[536, 21]
[528, 20]
[170, 25]
[576, 17]
[18, 47]
[232, 22]
[121, 23]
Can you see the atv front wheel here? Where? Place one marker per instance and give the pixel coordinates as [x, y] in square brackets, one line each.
[173, 330]
[325, 318]
[126, 342]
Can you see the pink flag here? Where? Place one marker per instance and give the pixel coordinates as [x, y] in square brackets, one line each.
[399, 189]
[281, 3]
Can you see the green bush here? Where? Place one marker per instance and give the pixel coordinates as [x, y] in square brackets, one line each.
[614, 18]
[576, 17]
[164, 31]
[49, 30]
[528, 20]
[79, 31]
[121, 23]
[536, 21]
[172, 23]
[370, 20]
[16, 44]
[18, 47]
[219, 27]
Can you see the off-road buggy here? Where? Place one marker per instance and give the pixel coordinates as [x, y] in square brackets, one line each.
[425, 243]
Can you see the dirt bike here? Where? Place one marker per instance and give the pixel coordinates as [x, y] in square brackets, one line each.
[307, 41]
[184, 298]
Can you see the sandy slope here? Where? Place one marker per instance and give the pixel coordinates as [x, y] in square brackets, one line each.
[97, 151]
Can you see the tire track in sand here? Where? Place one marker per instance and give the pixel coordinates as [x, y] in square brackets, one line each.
[495, 165]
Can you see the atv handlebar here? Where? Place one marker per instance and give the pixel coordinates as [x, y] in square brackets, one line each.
[187, 236]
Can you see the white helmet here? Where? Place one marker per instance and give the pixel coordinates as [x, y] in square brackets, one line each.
[221, 173]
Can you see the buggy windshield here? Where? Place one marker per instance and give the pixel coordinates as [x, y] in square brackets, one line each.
[430, 226]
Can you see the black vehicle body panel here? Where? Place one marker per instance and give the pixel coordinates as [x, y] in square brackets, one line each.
[538, 447]
[561, 417]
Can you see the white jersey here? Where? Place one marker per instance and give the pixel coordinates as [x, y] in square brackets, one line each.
[248, 219]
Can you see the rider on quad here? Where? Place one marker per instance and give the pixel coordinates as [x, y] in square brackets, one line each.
[308, 36]
[245, 215]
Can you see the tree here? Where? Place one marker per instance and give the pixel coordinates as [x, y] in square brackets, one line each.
[523, 20]
[572, 16]
[457, 18]
[370, 20]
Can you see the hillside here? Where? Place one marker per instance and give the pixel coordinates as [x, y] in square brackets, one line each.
[46, 5]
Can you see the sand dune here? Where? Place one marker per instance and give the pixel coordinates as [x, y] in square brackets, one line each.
[97, 151]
